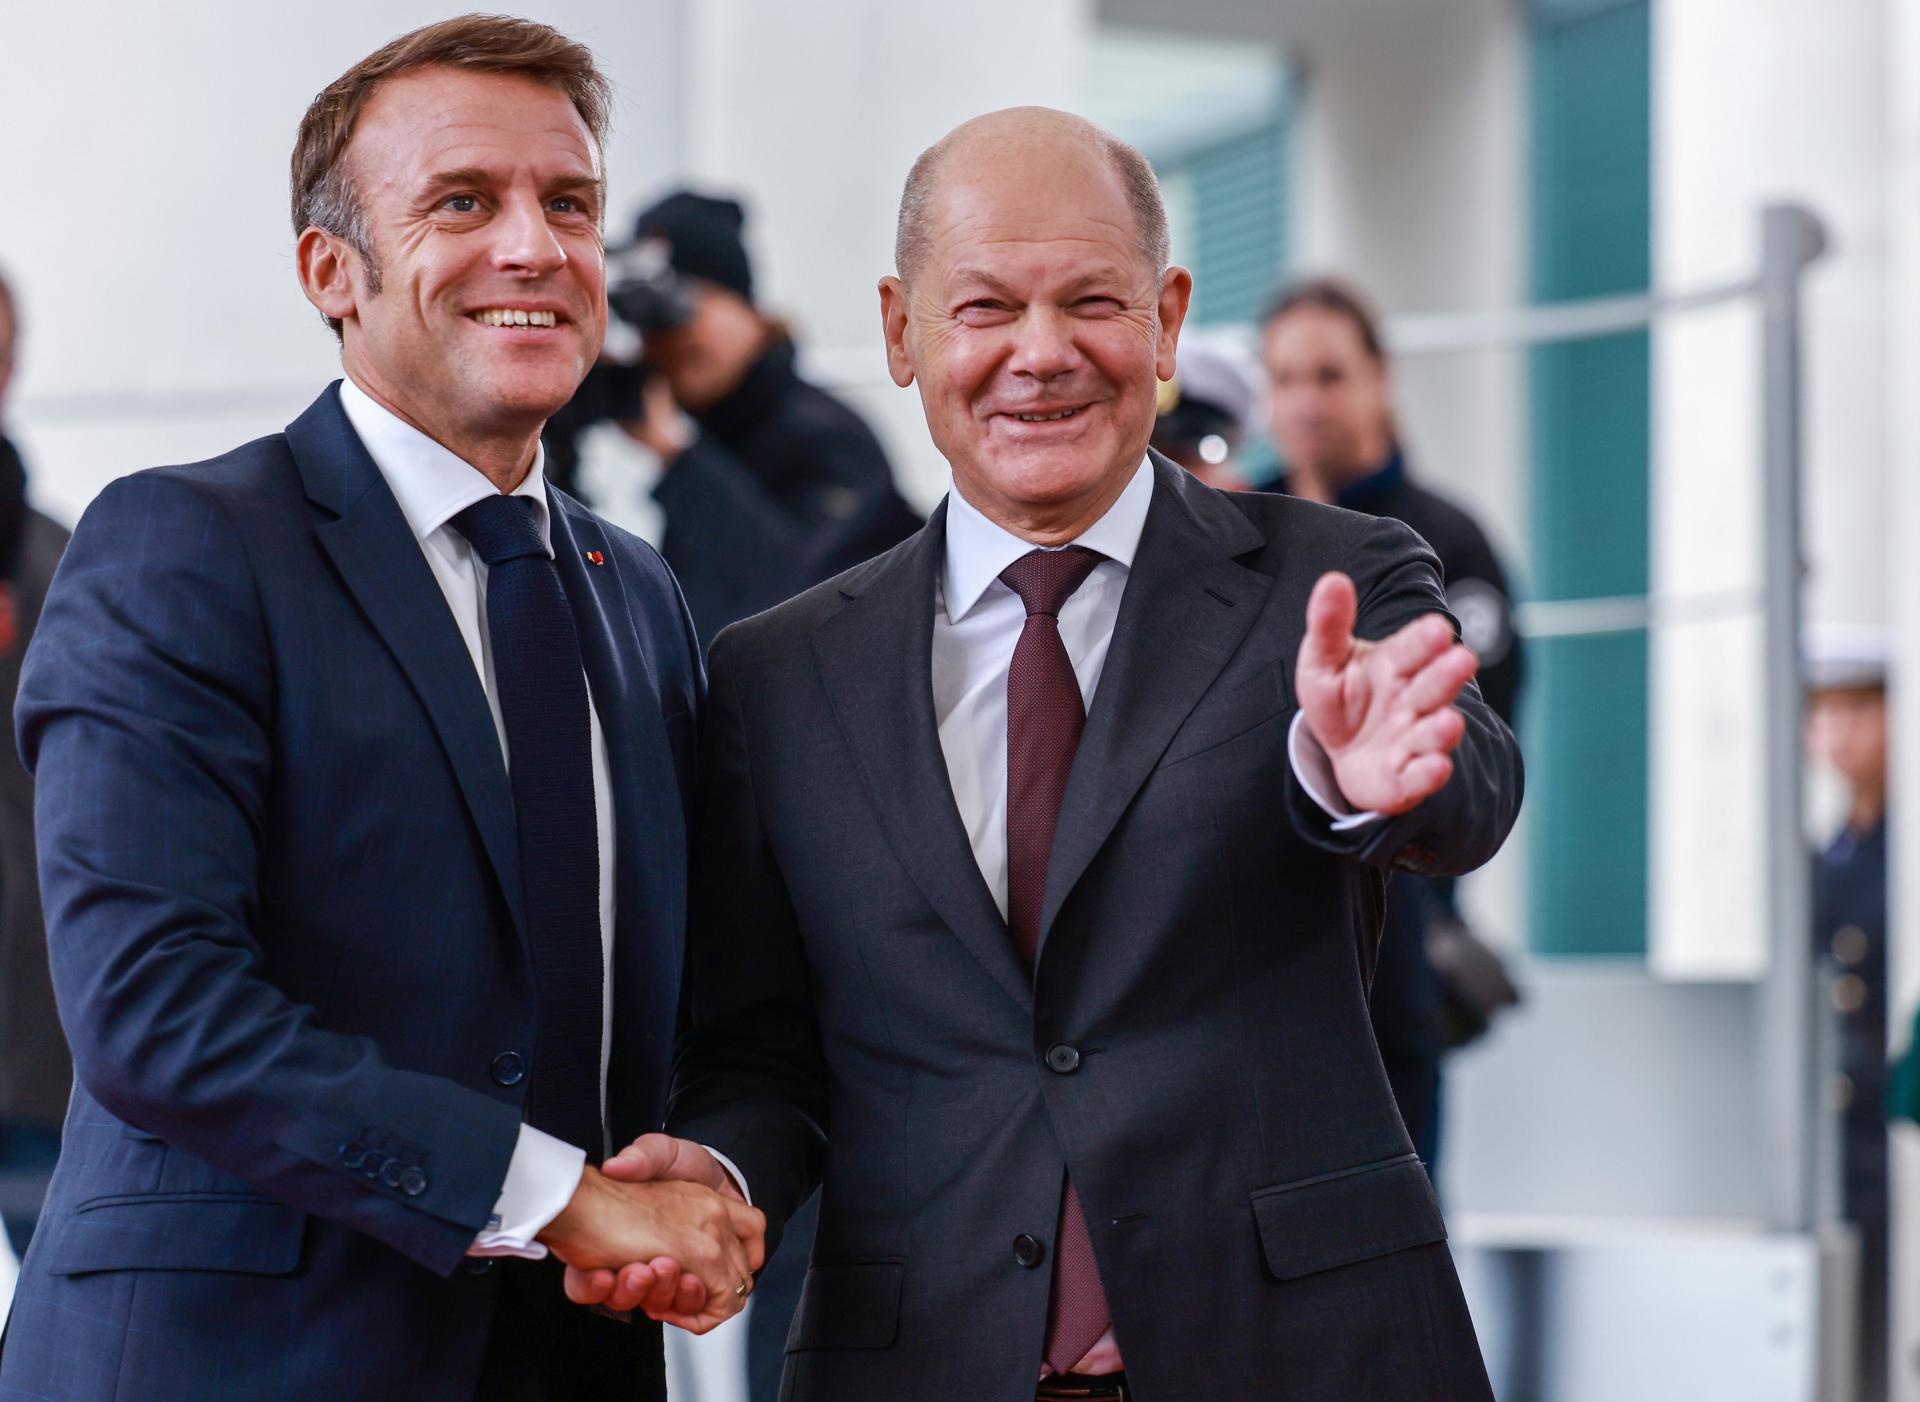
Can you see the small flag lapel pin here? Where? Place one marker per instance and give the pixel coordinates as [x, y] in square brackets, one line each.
[595, 557]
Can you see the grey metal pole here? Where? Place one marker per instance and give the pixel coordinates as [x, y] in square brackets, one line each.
[1791, 237]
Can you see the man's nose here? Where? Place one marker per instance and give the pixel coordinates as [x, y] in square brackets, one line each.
[525, 242]
[1043, 345]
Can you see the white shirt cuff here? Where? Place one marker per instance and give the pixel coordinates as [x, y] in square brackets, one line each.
[1315, 772]
[733, 1172]
[541, 1178]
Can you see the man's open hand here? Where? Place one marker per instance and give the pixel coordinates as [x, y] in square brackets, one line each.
[660, 1288]
[1383, 711]
[683, 1244]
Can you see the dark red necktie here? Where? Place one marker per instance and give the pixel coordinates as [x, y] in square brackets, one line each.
[1044, 718]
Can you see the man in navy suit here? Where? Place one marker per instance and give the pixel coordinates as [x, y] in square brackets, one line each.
[362, 762]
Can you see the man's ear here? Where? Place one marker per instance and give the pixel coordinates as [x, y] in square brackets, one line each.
[325, 262]
[1176, 290]
[893, 325]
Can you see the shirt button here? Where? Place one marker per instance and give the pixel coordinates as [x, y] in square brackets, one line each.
[413, 1182]
[1028, 1251]
[1062, 1058]
[509, 1069]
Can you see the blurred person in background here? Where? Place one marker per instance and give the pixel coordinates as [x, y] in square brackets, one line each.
[1846, 676]
[1204, 411]
[35, 1070]
[1331, 419]
[768, 483]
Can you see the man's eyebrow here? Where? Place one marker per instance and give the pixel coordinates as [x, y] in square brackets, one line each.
[978, 277]
[481, 178]
[463, 175]
[1108, 275]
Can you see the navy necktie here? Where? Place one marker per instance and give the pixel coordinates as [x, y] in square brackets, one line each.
[1044, 719]
[543, 705]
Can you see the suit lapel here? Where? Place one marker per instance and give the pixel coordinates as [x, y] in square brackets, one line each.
[1186, 608]
[382, 566]
[650, 838]
[649, 829]
[875, 659]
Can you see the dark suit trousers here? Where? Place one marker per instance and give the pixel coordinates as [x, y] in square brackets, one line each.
[542, 1348]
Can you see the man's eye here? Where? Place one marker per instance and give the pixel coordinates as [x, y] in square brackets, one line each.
[463, 204]
[564, 204]
[1098, 304]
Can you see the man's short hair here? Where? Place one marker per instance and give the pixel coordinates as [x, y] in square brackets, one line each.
[910, 237]
[1330, 294]
[324, 196]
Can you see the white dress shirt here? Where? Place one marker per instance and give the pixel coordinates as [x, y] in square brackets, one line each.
[977, 619]
[432, 487]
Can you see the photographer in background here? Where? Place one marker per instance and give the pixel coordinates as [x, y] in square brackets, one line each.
[35, 1070]
[768, 484]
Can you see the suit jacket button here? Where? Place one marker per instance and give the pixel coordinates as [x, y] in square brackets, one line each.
[352, 1153]
[477, 1265]
[371, 1165]
[1062, 1058]
[1028, 1251]
[390, 1173]
[509, 1069]
[413, 1182]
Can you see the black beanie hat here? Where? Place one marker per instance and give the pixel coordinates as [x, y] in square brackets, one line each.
[702, 236]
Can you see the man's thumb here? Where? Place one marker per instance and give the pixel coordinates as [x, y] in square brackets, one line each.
[649, 1157]
[1332, 609]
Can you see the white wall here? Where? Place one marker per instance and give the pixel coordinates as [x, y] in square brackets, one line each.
[1755, 100]
[144, 210]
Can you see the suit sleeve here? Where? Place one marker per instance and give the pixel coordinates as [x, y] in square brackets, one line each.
[749, 1077]
[145, 713]
[1457, 829]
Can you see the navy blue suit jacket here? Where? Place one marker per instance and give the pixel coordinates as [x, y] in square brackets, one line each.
[283, 903]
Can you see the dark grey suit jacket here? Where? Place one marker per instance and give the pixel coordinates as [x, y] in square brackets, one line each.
[1193, 1044]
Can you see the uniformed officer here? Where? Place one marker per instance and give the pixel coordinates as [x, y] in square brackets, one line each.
[1332, 421]
[1846, 670]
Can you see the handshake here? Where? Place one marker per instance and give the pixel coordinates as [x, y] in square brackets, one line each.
[662, 1228]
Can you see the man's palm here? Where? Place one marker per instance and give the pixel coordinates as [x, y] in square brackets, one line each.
[1383, 712]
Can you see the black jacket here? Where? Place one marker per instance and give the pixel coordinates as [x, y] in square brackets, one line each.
[1193, 1043]
[784, 486]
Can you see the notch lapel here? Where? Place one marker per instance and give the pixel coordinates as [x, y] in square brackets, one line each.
[1186, 608]
[875, 659]
[383, 568]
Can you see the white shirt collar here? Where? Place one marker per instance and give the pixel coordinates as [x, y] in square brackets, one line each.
[430, 483]
[978, 549]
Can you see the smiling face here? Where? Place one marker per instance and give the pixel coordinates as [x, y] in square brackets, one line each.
[1036, 329]
[486, 304]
